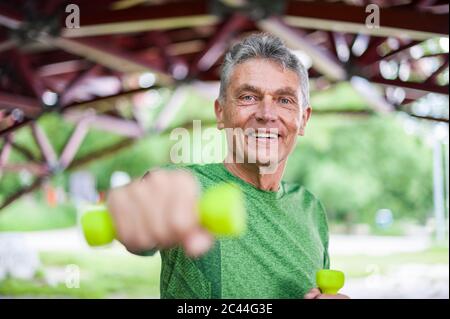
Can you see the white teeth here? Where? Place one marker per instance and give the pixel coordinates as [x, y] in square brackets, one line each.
[264, 135]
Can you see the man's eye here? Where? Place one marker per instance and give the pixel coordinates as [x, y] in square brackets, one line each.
[248, 98]
[284, 100]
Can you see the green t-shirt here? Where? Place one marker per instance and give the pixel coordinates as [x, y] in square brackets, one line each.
[286, 243]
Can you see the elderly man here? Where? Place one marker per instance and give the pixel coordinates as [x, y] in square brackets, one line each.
[264, 89]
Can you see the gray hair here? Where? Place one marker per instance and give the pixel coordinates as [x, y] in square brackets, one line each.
[263, 46]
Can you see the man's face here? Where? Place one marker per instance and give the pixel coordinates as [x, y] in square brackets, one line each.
[262, 97]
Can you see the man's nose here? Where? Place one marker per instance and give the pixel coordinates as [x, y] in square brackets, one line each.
[266, 110]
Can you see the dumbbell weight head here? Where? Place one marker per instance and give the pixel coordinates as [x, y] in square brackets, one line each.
[222, 210]
[97, 224]
[330, 281]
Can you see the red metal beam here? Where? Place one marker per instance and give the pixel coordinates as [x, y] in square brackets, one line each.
[29, 76]
[190, 34]
[412, 95]
[331, 41]
[5, 151]
[323, 61]
[44, 145]
[371, 52]
[94, 14]
[10, 18]
[340, 46]
[433, 6]
[372, 57]
[37, 169]
[73, 144]
[73, 165]
[218, 43]
[400, 49]
[23, 150]
[67, 66]
[430, 118]
[108, 123]
[55, 59]
[432, 78]
[372, 97]
[101, 100]
[30, 107]
[36, 184]
[57, 83]
[66, 95]
[412, 85]
[438, 9]
[399, 18]
[106, 151]
[7, 44]
[175, 66]
[170, 110]
[213, 74]
[106, 55]
[50, 6]
[14, 127]
[95, 20]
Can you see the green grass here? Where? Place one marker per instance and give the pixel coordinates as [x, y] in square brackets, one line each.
[102, 275]
[394, 230]
[360, 265]
[28, 214]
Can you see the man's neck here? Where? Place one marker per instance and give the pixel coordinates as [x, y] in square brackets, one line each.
[252, 173]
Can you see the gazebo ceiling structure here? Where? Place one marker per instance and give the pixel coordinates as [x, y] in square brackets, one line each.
[42, 54]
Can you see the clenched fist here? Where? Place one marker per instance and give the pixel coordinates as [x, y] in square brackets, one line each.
[159, 211]
[315, 293]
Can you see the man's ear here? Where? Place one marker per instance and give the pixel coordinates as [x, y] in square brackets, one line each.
[306, 115]
[218, 109]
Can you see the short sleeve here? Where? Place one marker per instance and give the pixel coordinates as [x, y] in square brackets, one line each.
[324, 233]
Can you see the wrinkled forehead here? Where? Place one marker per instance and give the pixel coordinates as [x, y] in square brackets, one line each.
[266, 75]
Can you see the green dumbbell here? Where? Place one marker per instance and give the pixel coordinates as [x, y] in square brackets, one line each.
[221, 208]
[330, 281]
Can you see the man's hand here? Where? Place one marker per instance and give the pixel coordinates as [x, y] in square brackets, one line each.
[159, 211]
[316, 294]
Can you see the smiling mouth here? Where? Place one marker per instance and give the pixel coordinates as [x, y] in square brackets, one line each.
[264, 136]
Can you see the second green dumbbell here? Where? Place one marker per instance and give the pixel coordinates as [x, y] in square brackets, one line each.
[330, 281]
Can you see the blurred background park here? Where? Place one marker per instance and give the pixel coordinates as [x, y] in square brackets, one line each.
[84, 109]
